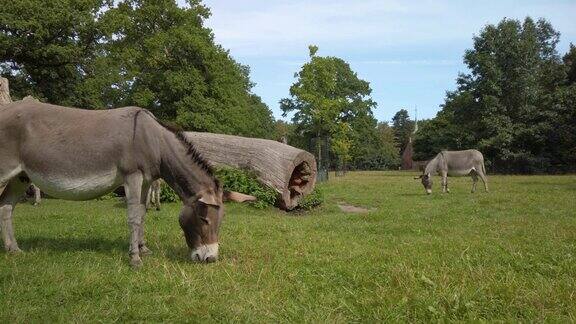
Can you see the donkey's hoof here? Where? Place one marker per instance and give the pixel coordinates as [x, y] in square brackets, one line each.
[136, 263]
[14, 250]
[144, 250]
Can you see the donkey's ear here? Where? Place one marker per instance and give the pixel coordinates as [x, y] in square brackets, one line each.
[209, 198]
[237, 197]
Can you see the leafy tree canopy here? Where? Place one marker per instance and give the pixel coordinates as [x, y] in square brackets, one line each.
[150, 53]
[512, 103]
[403, 127]
[326, 100]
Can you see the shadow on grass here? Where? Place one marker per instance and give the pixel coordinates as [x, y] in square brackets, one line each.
[179, 254]
[412, 194]
[120, 204]
[73, 244]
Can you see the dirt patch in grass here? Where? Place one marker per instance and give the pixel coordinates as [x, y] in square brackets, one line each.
[353, 209]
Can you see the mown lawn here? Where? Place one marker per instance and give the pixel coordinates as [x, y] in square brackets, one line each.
[505, 255]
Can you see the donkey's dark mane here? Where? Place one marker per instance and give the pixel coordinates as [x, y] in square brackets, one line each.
[190, 148]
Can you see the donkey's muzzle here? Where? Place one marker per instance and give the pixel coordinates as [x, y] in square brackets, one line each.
[205, 253]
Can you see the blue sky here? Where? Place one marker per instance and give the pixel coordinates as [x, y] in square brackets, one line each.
[409, 51]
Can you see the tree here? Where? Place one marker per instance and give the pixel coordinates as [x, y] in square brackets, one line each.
[373, 145]
[327, 95]
[48, 47]
[508, 106]
[403, 128]
[174, 69]
[150, 53]
[570, 63]
[389, 146]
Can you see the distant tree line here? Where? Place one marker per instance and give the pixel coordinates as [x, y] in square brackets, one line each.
[517, 103]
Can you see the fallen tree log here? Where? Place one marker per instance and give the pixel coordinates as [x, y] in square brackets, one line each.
[286, 169]
[4, 92]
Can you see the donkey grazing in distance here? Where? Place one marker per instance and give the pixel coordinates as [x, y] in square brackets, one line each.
[80, 154]
[455, 163]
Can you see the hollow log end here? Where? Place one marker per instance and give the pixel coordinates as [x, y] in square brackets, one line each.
[301, 181]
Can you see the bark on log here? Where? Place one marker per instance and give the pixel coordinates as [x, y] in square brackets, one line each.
[4, 100]
[4, 92]
[286, 169]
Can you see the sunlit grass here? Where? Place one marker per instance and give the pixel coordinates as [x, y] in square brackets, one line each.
[505, 255]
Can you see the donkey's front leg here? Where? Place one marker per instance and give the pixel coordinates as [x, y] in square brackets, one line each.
[136, 201]
[444, 183]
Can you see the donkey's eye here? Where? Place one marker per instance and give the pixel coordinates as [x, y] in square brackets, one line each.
[205, 220]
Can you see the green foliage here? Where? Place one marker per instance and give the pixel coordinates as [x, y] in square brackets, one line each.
[167, 194]
[150, 53]
[515, 105]
[374, 146]
[570, 63]
[329, 100]
[47, 47]
[246, 182]
[403, 128]
[108, 196]
[340, 143]
[312, 200]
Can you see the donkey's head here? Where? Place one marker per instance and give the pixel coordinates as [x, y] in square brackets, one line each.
[200, 220]
[426, 182]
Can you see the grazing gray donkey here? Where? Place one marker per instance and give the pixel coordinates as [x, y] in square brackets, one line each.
[80, 154]
[455, 163]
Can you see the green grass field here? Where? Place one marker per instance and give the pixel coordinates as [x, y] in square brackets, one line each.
[505, 255]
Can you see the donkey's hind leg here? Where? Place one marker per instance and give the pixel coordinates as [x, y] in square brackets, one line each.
[484, 180]
[474, 176]
[157, 194]
[37, 195]
[8, 200]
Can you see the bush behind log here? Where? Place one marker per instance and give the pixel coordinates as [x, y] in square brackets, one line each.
[312, 200]
[246, 182]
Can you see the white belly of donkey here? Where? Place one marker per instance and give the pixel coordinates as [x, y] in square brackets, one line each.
[83, 187]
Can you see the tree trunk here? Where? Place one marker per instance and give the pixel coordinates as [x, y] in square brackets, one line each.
[4, 100]
[4, 92]
[286, 169]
